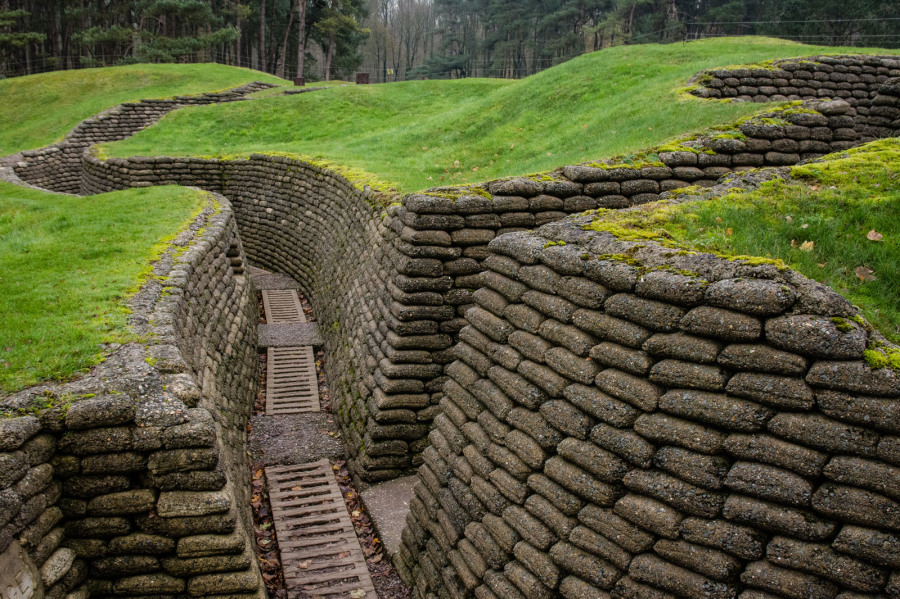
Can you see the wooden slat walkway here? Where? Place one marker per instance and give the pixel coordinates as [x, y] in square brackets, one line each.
[320, 553]
[291, 384]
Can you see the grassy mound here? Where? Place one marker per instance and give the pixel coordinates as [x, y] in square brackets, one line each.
[835, 221]
[66, 265]
[40, 109]
[420, 134]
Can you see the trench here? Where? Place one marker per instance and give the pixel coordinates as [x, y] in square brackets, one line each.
[324, 542]
[402, 303]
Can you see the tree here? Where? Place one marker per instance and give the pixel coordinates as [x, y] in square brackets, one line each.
[180, 30]
[301, 43]
[11, 41]
[338, 32]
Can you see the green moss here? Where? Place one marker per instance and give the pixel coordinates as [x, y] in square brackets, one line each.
[691, 190]
[541, 177]
[461, 191]
[730, 134]
[619, 258]
[43, 403]
[842, 325]
[883, 358]
[630, 162]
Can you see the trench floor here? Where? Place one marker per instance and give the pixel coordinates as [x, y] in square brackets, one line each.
[309, 517]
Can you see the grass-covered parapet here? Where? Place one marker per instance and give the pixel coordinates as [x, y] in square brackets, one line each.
[789, 78]
[419, 134]
[41, 109]
[833, 220]
[67, 269]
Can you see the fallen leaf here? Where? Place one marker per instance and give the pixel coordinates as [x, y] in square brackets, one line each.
[729, 231]
[304, 564]
[814, 187]
[865, 274]
[821, 264]
[807, 246]
[355, 513]
[789, 219]
[718, 219]
[793, 243]
[804, 226]
[357, 593]
[874, 235]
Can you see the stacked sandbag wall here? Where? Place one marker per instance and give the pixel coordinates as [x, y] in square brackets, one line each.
[58, 167]
[857, 80]
[138, 484]
[632, 421]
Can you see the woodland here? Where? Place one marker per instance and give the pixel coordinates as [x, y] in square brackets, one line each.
[396, 40]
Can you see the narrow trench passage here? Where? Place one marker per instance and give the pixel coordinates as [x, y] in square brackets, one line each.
[313, 535]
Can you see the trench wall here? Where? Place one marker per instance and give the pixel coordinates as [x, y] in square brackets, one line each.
[853, 79]
[631, 421]
[137, 484]
[57, 167]
[392, 284]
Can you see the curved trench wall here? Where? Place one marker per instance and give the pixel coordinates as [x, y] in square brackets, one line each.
[136, 484]
[392, 285]
[631, 421]
[853, 79]
[58, 167]
[340, 246]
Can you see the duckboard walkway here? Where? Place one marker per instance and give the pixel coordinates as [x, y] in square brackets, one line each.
[320, 553]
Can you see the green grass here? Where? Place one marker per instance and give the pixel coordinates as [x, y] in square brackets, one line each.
[66, 266]
[832, 204]
[40, 109]
[420, 134]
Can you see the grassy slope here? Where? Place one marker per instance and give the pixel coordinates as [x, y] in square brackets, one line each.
[40, 109]
[66, 263]
[834, 205]
[420, 134]
[831, 206]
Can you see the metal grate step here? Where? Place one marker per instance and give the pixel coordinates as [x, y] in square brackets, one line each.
[291, 384]
[320, 553]
[282, 305]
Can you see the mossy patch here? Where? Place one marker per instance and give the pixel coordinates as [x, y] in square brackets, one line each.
[842, 325]
[454, 193]
[883, 358]
[818, 221]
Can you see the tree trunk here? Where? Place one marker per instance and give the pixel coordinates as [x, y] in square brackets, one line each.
[262, 35]
[240, 27]
[301, 40]
[287, 32]
[329, 56]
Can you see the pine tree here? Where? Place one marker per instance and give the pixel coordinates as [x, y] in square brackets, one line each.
[12, 41]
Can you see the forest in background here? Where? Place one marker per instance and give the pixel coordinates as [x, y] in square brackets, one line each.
[394, 40]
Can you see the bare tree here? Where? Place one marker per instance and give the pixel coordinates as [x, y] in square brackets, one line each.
[301, 40]
[262, 35]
